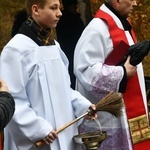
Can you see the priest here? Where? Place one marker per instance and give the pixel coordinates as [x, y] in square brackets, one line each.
[102, 46]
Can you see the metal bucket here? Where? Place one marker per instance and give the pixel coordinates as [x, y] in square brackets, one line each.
[91, 140]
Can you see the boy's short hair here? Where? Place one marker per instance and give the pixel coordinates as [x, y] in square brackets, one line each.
[30, 3]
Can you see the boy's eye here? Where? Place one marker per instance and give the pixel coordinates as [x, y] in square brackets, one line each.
[54, 7]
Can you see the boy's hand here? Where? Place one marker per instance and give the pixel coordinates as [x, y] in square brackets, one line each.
[92, 112]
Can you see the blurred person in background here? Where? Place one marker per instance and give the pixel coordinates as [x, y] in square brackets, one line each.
[7, 108]
[68, 31]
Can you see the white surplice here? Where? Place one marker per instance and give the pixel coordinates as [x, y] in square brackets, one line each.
[95, 79]
[38, 79]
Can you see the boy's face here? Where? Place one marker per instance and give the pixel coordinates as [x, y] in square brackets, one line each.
[48, 16]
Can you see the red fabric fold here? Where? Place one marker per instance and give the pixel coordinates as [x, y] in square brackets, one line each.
[0, 141]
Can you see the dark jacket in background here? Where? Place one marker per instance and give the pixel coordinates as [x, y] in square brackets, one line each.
[69, 30]
[7, 107]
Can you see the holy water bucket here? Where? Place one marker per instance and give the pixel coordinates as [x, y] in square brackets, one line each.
[91, 140]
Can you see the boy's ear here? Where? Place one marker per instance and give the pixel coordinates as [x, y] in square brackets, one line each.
[35, 9]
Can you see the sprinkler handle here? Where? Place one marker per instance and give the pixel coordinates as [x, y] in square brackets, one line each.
[39, 143]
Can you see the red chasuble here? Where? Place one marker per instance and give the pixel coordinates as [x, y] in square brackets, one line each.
[135, 108]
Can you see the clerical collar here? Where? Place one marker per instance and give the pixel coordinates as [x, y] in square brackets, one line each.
[124, 21]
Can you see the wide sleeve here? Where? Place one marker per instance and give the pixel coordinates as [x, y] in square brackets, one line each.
[80, 103]
[91, 51]
[25, 125]
[7, 107]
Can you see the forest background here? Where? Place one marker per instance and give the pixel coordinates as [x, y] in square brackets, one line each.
[140, 20]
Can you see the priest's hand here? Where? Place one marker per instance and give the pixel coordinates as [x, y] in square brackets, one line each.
[130, 70]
